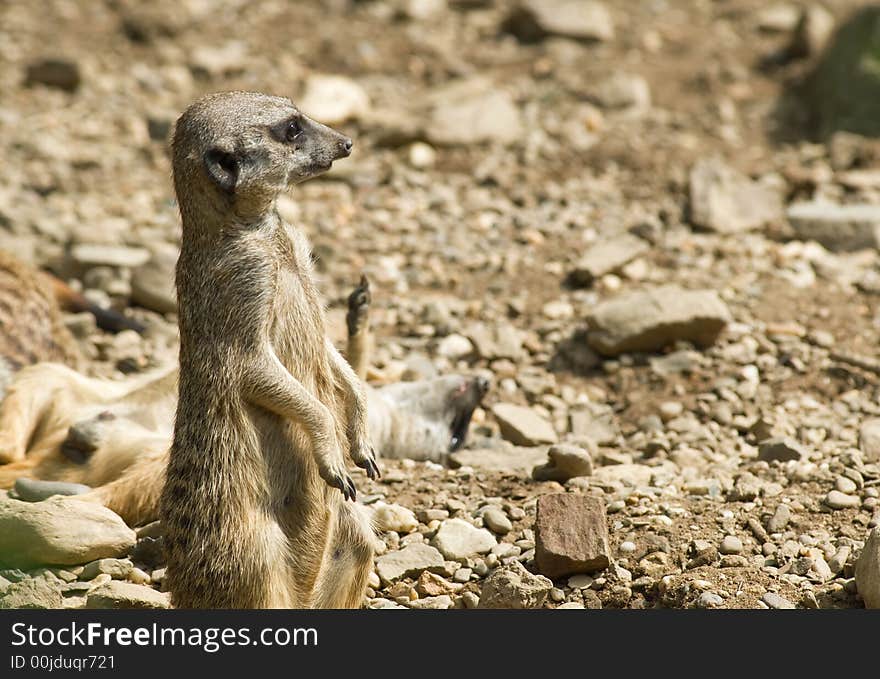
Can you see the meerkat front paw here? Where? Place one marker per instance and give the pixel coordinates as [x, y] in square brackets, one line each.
[364, 456]
[335, 474]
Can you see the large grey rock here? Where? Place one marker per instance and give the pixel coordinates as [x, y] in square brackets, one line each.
[600, 427]
[606, 257]
[39, 592]
[726, 201]
[473, 112]
[839, 228]
[152, 284]
[523, 426]
[571, 535]
[869, 439]
[533, 20]
[411, 560]
[653, 319]
[118, 594]
[868, 570]
[514, 587]
[59, 531]
[457, 540]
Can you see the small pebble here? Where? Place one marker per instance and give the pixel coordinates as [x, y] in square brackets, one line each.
[709, 600]
[580, 581]
[731, 545]
[497, 521]
[773, 600]
[845, 485]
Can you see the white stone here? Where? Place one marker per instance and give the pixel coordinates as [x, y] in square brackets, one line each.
[457, 540]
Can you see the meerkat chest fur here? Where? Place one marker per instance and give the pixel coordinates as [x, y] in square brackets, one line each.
[296, 324]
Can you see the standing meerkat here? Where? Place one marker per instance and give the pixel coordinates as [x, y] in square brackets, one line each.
[254, 503]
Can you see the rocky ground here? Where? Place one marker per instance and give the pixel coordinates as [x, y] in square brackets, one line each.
[631, 216]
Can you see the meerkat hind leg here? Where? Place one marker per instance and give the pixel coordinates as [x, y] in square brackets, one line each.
[358, 322]
[348, 561]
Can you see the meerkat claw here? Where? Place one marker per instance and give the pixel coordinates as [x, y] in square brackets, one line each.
[368, 464]
[370, 467]
[346, 487]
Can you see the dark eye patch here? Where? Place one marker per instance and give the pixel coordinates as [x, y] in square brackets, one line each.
[287, 130]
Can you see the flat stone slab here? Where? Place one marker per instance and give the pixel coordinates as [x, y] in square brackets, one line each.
[652, 319]
[59, 531]
[607, 257]
[523, 426]
[516, 460]
[839, 228]
[411, 560]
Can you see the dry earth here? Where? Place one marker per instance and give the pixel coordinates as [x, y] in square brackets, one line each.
[491, 159]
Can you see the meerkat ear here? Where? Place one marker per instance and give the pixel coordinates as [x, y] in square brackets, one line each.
[222, 167]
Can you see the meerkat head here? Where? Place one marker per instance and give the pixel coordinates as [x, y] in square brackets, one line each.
[246, 147]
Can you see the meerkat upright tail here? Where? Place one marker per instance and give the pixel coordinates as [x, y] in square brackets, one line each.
[135, 494]
[358, 322]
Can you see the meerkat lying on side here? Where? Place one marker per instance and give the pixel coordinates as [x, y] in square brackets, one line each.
[32, 331]
[114, 435]
[32, 327]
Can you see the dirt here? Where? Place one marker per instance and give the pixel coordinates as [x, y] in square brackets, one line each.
[489, 231]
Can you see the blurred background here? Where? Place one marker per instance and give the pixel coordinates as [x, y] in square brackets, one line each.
[516, 166]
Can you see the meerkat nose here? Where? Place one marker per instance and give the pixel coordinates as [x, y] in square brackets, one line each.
[346, 145]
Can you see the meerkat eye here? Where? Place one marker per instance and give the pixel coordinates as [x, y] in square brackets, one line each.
[293, 130]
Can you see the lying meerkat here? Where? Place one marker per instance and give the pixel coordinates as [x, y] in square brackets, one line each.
[32, 327]
[32, 331]
[114, 435]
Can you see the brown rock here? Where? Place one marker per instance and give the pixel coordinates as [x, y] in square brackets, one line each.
[571, 535]
[431, 584]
